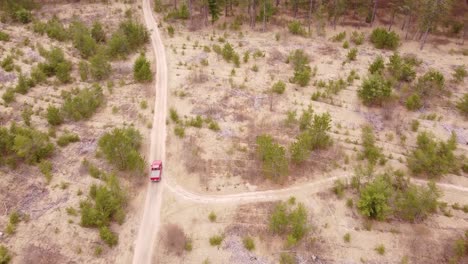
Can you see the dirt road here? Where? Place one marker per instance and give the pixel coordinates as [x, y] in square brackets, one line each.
[150, 223]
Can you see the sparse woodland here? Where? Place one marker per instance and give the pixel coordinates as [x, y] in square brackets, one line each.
[260, 95]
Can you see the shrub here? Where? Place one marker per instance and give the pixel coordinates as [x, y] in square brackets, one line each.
[302, 71]
[213, 125]
[98, 33]
[196, 122]
[9, 95]
[417, 202]
[30, 144]
[286, 258]
[216, 240]
[108, 236]
[279, 87]
[181, 13]
[431, 157]
[345, 44]
[37, 75]
[5, 256]
[84, 104]
[413, 102]
[414, 125]
[339, 188]
[53, 28]
[370, 151]
[374, 199]
[296, 28]
[82, 39]
[302, 76]
[174, 115]
[377, 66]
[24, 16]
[249, 243]
[212, 216]
[7, 63]
[273, 158]
[67, 138]
[128, 38]
[352, 54]
[23, 85]
[459, 73]
[430, 84]
[83, 68]
[462, 105]
[357, 37]
[142, 70]
[380, 249]
[45, 167]
[460, 247]
[56, 65]
[100, 67]
[4, 36]
[54, 116]
[105, 203]
[291, 221]
[375, 90]
[339, 37]
[347, 237]
[179, 131]
[170, 31]
[383, 39]
[120, 147]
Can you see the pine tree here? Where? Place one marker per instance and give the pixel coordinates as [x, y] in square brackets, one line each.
[214, 10]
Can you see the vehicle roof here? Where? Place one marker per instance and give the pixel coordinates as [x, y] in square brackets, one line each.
[156, 163]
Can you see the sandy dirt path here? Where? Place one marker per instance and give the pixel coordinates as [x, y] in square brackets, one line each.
[150, 223]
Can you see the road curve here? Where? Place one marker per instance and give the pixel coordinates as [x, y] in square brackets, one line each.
[149, 226]
[150, 223]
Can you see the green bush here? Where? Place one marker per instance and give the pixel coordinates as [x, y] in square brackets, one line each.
[53, 28]
[109, 237]
[430, 84]
[433, 158]
[302, 76]
[170, 31]
[370, 151]
[100, 68]
[120, 147]
[37, 75]
[339, 188]
[377, 66]
[380, 249]
[98, 33]
[179, 131]
[128, 38]
[413, 102]
[213, 125]
[23, 85]
[273, 158]
[8, 64]
[174, 115]
[383, 39]
[56, 65]
[414, 125]
[196, 122]
[45, 167]
[181, 13]
[67, 138]
[302, 70]
[347, 238]
[54, 116]
[30, 144]
[352, 54]
[5, 256]
[4, 36]
[142, 70]
[9, 95]
[339, 37]
[357, 37]
[286, 258]
[292, 222]
[82, 39]
[462, 105]
[216, 240]
[375, 90]
[83, 69]
[249, 243]
[459, 73]
[24, 16]
[212, 216]
[374, 199]
[296, 28]
[84, 104]
[415, 203]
